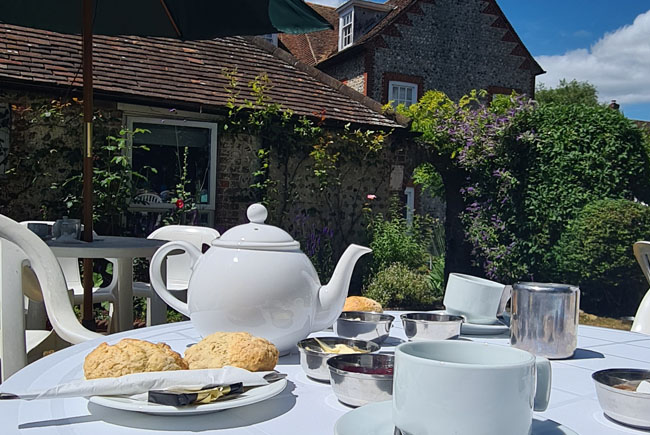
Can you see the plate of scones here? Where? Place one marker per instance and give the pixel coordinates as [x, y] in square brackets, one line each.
[236, 349]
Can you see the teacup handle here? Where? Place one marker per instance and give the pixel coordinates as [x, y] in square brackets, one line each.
[543, 386]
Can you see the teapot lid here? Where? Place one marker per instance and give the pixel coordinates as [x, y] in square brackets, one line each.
[256, 234]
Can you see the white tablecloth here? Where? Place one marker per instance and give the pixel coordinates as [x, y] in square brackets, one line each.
[305, 406]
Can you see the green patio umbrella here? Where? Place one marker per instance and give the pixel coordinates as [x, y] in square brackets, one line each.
[181, 19]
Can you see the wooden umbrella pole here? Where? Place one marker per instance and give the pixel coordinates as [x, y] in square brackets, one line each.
[88, 319]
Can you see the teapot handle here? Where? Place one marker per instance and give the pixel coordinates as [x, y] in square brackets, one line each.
[156, 268]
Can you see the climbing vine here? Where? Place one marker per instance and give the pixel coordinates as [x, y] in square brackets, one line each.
[302, 161]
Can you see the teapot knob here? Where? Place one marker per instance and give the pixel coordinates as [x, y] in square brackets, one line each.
[257, 213]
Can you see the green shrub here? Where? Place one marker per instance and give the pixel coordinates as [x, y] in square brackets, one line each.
[579, 154]
[398, 286]
[595, 252]
[437, 277]
[395, 241]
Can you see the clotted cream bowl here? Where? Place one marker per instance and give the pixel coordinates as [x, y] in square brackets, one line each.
[313, 358]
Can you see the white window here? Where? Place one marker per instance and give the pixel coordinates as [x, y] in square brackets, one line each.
[346, 29]
[402, 93]
[173, 146]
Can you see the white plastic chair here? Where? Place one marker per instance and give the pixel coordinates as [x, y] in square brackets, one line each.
[156, 307]
[147, 198]
[22, 252]
[642, 318]
[18, 345]
[178, 266]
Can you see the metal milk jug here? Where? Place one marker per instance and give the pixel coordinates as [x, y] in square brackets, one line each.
[545, 318]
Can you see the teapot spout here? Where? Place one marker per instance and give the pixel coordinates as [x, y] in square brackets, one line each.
[331, 297]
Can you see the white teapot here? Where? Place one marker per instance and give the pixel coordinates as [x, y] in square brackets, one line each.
[255, 278]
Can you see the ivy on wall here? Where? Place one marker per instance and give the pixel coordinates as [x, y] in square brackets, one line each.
[307, 169]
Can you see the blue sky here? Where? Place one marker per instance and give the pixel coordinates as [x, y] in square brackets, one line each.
[604, 42]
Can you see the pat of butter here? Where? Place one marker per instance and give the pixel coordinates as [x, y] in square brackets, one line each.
[343, 349]
[644, 387]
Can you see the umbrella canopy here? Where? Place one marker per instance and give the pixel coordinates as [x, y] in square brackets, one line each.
[183, 19]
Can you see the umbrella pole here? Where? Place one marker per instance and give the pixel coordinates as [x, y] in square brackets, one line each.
[88, 319]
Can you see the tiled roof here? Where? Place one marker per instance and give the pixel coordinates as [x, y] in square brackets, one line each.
[318, 47]
[179, 72]
[315, 47]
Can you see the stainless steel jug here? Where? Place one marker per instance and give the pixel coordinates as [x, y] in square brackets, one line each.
[545, 318]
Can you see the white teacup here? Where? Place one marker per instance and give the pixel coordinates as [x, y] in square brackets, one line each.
[478, 299]
[467, 388]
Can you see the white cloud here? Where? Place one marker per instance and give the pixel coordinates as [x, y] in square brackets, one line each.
[618, 64]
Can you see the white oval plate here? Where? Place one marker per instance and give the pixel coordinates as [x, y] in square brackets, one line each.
[377, 419]
[251, 396]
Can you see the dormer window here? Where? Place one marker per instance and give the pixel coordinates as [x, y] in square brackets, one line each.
[346, 30]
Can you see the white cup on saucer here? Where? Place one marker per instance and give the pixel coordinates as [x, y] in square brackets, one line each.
[467, 388]
[479, 300]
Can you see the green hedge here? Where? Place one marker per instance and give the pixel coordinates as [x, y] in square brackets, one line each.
[595, 252]
[398, 286]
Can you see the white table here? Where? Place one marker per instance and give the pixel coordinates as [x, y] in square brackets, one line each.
[305, 406]
[124, 250]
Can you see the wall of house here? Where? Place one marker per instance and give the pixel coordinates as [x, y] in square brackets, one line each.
[364, 20]
[44, 152]
[358, 83]
[445, 45]
[47, 153]
[454, 47]
[352, 71]
[236, 162]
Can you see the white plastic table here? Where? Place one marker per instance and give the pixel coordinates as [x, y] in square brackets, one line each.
[305, 406]
[124, 250]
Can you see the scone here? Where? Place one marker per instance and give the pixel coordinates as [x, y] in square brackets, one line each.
[131, 356]
[359, 303]
[237, 349]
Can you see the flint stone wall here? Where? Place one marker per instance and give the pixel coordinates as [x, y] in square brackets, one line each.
[56, 153]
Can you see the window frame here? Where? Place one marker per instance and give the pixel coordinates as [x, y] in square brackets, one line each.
[212, 126]
[396, 83]
[343, 27]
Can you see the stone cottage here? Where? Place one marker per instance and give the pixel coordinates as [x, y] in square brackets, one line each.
[397, 50]
[182, 93]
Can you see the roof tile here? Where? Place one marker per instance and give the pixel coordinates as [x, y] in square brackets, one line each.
[182, 71]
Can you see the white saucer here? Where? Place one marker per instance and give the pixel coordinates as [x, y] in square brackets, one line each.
[251, 396]
[479, 329]
[377, 419]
